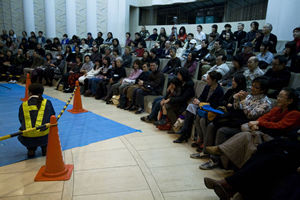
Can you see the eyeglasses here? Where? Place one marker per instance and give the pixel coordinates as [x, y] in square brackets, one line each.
[281, 97]
[256, 87]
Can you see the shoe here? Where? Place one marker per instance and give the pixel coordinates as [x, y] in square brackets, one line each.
[197, 144]
[181, 139]
[11, 81]
[208, 165]
[133, 108]
[87, 93]
[31, 153]
[199, 149]
[147, 119]
[128, 107]
[214, 150]
[199, 155]
[139, 111]
[162, 122]
[118, 106]
[109, 102]
[210, 183]
[14, 81]
[221, 192]
[44, 150]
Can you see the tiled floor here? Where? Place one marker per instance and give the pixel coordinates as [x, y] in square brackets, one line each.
[139, 166]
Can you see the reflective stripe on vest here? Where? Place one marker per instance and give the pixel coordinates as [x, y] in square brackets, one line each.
[39, 119]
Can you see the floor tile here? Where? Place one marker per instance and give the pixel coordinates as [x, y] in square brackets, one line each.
[180, 178]
[168, 157]
[50, 196]
[202, 194]
[153, 142]
[15, 184]
[26, 165]
[103, 159]
[132, 195]
[109, 180]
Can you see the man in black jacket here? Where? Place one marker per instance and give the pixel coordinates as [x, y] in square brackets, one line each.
[267, 36]
[173, 64]
[278, 76]
[152, 86]
[138, 39]
[239, 34]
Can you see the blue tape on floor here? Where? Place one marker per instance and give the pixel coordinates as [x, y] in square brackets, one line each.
[75, 130]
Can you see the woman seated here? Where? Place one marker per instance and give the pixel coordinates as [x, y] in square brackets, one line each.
[119, 87]
[290, 54]
[179, 50]
[139, 51]
[145, 58]
[246, 107]
[107, 54]
[238, 63]
[265, 57]
[83, 47]
[91, 74]
[115, 54]
[37, 73]
[277, 123]
[55, 44]
[116, 45]
[48, 45]
[105, 72]
[75, 69]
[228, 44]
[56, 71]
[129, 90]
[86, 67]
[226, 105]
[107, 42]
[118, 75]
[212, 92]
[182, 34]
[68, 55]
[191, 63]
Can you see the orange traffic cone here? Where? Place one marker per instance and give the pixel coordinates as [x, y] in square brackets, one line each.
[77, 104]
[55, 168]
[28, 82]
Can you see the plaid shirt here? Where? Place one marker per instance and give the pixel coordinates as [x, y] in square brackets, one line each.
[254, 106]
[251, 75]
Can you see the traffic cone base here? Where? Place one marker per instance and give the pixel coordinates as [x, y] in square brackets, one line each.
[55, 168]
[28, 82]
[61, 176]
[77, 104]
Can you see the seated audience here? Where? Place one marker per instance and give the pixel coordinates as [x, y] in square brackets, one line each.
[96, 55]
[116, 45]
[223, 33]
[253, 71]
[246, 107]
[179, 50]
[296, 35]
[145, 58]
[144, 33]
[84, 48]
[127, 58]
[200, 35]
[203, 51]
[191, 48]
[152, 86]
[107, 42]
[267, 36]
[138, 39]
[191, 63]
[153, 56]
[240, 34]
[128, 39]
[228, 44]
[211, 41]
[182, 34]
[265, 57]
[65, 40]
[173, 64]
[99, 40]
[55, 43]
[237, 62]
[290, 53]
[220, 67]
[251, 35]
[39, 71]
[89, 39]
[247, 52]
[154, 36]
[41, 39]
[166, 50]
[139, 51]
[211, 94]
[91, 74]
[214, 31]
[38, 61]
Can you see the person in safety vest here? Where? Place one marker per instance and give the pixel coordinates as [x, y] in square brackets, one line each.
[33, 113]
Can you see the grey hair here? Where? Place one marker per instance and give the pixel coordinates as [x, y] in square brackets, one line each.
[270, 27]
[121, 60]
[242, 24]
[256, 59]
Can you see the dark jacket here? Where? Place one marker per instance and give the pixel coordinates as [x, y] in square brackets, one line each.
[127, 60]
[239, 36]
[141, 40]
[41, 52]
[156, 59]
[272, 38]
[172, 66]
[202, 53]
[227, 78]
[226, 99]
[19, 60]
[250, 36]
[99, 41]
[119, 73]
[229, 46]
[279, 79]
[143, 76]
[188, 91]
[214, 97]
[155, 82]
[96, 56]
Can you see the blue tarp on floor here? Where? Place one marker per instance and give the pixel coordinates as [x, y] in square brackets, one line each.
[75, 130]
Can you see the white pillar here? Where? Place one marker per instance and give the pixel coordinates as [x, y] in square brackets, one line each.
[50, 18]
[123, 21]
[70, 18]
[91, 17]
[28, 11]
[112, 19]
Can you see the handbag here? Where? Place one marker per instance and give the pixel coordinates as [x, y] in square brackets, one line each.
[207, 112]
[115, 99]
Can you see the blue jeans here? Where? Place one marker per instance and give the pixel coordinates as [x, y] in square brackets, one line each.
[93, 83]
[155, 108]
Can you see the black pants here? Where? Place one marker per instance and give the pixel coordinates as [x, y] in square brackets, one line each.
[188, 123]
[101, 89]
[273, 162]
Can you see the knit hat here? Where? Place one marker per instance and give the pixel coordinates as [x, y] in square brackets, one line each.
[298, 29]
[89, 33]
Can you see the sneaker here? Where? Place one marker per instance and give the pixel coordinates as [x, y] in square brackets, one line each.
[139, 111]
[208, 165]
[15, 81]
[199, 155]
[11, 81]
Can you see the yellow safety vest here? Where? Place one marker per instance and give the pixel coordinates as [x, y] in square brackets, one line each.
[39, 119]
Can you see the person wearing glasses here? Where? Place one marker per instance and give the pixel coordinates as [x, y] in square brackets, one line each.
[279, 76]
[253, 71]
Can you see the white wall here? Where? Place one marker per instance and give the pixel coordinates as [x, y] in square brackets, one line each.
[284, 16]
